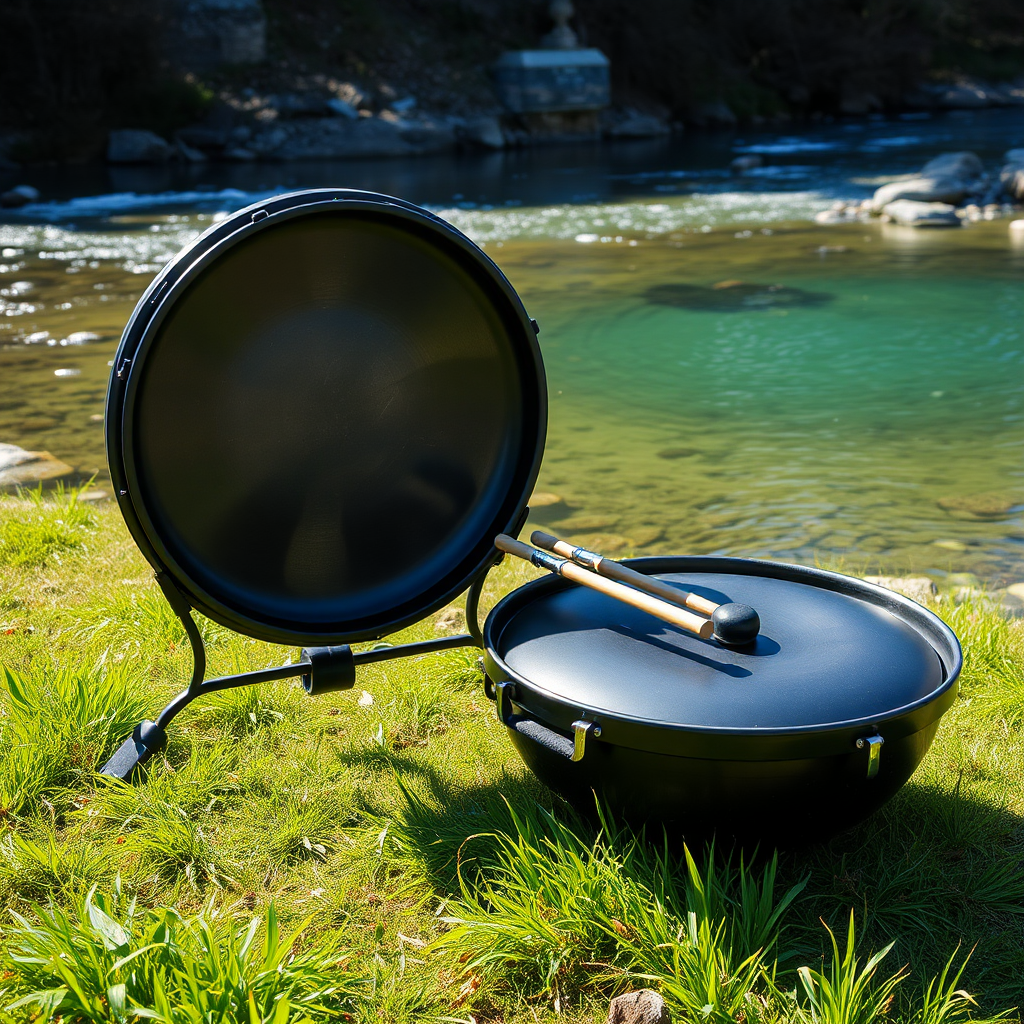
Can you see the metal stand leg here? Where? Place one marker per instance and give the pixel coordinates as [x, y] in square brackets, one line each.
[323, 669]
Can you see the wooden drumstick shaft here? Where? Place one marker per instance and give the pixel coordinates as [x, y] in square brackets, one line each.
[615, 571]
[585, 578]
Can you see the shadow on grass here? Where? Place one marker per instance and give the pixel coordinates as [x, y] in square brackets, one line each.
[934, 869]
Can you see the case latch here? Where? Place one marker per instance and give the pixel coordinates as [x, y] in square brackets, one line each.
[580, 731]
[874, 745]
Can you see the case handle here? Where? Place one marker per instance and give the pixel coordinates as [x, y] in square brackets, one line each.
[522, 723]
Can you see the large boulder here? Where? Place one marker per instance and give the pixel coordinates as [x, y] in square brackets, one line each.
[965, 165]
[135, 146]
[921, 215]
[921, 190]
[19, 468]
[947, 178]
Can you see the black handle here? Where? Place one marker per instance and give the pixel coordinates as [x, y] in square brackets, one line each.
[547, 738]
[524, 724]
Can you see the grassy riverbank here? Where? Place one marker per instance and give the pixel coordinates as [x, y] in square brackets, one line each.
[427, 874]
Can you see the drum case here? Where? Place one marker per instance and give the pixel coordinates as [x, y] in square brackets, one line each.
[175, 466]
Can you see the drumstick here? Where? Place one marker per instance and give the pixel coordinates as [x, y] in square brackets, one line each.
[627, 595]
[733, 623]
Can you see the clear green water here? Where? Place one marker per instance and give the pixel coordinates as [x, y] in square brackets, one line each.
[876, 414]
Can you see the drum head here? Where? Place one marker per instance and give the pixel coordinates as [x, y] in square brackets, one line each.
[321, 415]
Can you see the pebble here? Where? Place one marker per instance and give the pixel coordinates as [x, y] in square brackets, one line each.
[451, 620]
[950, 545]
[542, 499]
[642, 1007]
[1016, 590]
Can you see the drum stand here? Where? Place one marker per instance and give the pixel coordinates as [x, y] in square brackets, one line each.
[322, 670]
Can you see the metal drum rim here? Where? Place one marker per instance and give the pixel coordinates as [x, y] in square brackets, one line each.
[155, 304]
[732, 743]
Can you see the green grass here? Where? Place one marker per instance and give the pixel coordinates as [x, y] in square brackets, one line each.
[383, 853]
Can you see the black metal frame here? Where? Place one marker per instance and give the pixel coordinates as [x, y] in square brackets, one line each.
[323, 669]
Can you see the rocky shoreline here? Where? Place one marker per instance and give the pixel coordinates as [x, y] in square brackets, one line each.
[950, 190]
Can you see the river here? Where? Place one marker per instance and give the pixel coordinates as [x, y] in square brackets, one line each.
[725, 375]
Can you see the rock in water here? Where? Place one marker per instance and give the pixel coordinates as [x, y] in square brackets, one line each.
[749, 162]
[543, 499]
[20, 195]
[1011, 177]
[921, 215]
[977, 506]
[643, 1007]
[733, 296]
[135, 146]
[933, 189]
[19, 468]
[638, 126]
[964, 165]
[917, 588]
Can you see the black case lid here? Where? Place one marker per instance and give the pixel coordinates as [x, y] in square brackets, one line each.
[321, 414]
[834, 654]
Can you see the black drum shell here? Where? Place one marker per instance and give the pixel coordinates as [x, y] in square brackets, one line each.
[787, 788]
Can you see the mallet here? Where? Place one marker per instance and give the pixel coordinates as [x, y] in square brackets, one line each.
[734, 624]
[627, 595]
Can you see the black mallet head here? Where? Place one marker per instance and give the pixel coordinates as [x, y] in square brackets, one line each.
[735, 624]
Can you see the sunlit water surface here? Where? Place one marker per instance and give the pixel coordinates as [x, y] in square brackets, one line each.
[724, 376]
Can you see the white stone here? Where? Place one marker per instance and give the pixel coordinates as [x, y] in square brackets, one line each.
[921, 215]
[642, 1007]
[20, 468]
[922, 190]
